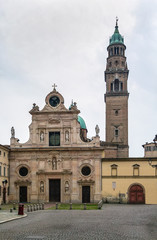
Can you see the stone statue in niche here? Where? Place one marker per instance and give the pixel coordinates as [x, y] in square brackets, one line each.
[12, 132]
[41, 137]
[67, 136]
[54, 164]
[41, 186]
[66, 186]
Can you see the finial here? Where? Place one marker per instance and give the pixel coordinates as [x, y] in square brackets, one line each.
[54, 87]
[116, 21]
[72, 103]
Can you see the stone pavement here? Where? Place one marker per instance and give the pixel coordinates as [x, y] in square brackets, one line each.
[6, 216]
[113, 222]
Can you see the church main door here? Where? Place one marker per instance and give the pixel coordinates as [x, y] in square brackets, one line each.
[136, 194]
[23, 194]
[54, 190]
[86, 194]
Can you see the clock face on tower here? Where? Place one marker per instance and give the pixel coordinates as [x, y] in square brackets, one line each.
[54, 101]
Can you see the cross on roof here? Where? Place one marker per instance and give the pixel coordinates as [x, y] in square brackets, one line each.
[54, 86]
[117, 21]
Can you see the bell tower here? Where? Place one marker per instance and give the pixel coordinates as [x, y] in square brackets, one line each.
[116, 97]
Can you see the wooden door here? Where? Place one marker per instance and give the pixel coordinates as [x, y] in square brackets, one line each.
[136, 195]
[23, 194]
[54, 190]
[86, 194]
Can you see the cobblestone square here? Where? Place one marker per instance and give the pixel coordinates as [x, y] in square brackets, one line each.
[129, 222]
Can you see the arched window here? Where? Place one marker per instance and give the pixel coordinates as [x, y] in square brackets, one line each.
[121, 86]
[111, 87]
[117, 50]
[116, 85]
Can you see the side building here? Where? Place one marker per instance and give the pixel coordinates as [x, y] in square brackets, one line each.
[4, 174]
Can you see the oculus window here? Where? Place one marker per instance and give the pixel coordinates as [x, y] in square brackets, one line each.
[86, 171]
[54, 138]
[23, 171]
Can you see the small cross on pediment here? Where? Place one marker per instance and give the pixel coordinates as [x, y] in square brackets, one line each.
[54, 87]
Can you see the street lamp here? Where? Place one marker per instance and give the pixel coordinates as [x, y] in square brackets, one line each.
[4, 182]
[150, 163]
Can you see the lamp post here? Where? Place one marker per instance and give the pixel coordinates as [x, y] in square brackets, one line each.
[150, 163]
[4, 182]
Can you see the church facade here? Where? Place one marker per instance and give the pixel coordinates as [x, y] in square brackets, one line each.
[60, 164]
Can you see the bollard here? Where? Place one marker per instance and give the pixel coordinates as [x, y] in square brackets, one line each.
[31, 208]
[70, 206]
[28, 209]
[37, 206]
[11, 210]
[21, 209]
[42, 206]
[56, 206]
[14, 206]
[34, 207]
[85, 207]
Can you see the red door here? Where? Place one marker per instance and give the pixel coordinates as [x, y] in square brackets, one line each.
[136, 195]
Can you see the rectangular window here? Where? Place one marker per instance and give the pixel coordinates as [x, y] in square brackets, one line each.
[136, 171]
[4, 171]
[54, 138]
[0, 153]
[0, 171]
[4, 154]
[114, 172]
[0, 190]
[116, 132]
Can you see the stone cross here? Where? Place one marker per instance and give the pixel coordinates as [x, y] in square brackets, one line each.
[54, 86]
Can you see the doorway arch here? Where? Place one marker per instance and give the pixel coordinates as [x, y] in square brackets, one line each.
[136, 194]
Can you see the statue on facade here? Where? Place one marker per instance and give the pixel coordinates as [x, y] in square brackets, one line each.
[97, 130]
[12, 132]
[54, 164]
[67, 136]
[41, 137]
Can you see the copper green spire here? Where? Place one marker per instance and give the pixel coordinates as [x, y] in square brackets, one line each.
[116, 37]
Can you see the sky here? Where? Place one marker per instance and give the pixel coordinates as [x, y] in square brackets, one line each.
[43, 42]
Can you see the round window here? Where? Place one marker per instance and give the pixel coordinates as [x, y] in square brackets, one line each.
[86, 171]
[23, 171]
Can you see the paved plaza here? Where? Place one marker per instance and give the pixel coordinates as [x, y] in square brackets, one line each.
[113, 222]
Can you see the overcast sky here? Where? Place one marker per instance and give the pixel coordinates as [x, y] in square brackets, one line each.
[43, 42]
